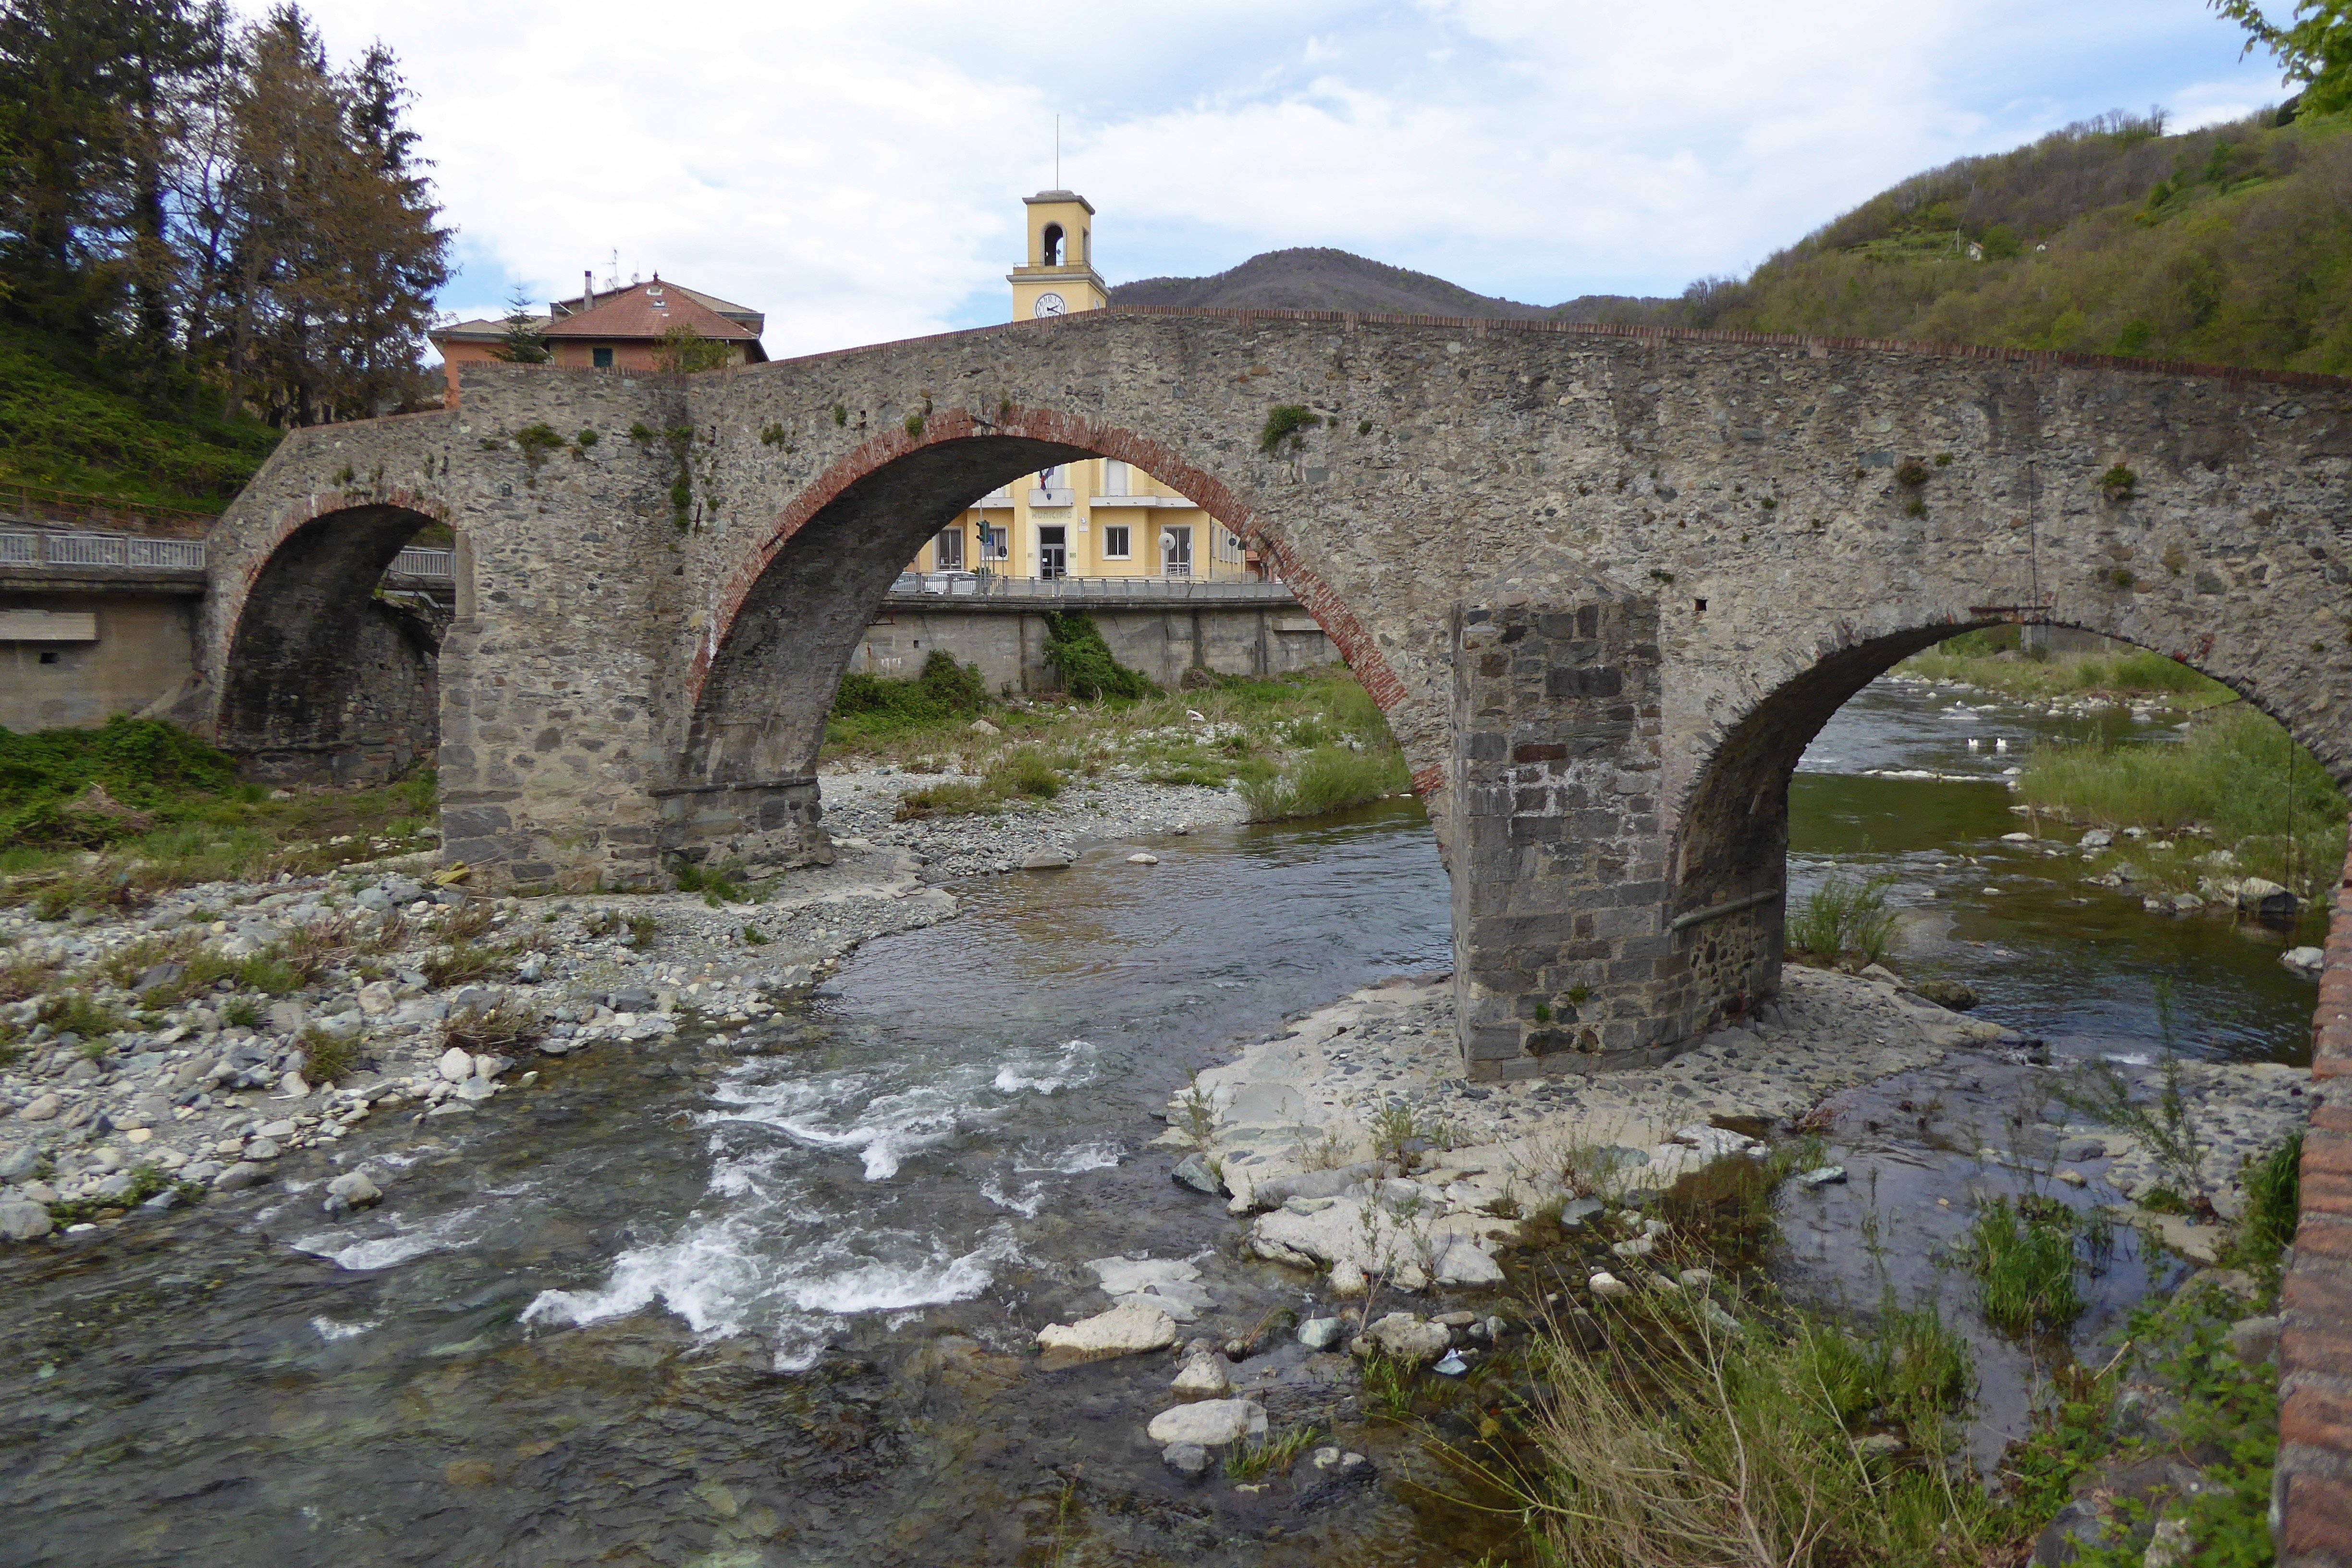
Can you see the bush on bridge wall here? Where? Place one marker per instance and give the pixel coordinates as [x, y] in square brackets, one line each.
[1075, 647]
[876, 703]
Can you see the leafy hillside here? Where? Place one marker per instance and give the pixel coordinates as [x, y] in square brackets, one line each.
[63, 426]
[2231, 244]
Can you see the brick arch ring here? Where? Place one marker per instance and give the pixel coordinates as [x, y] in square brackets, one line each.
[950, 425]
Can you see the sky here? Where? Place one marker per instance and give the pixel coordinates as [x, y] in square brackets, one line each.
[857, 170]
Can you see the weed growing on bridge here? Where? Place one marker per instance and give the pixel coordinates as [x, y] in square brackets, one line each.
[1287, 422]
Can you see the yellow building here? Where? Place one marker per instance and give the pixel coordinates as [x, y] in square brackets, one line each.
[1099, 518]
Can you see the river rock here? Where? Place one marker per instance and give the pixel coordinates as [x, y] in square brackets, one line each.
[1047, 860]
[1192, 1171]
[1127, 1329]
[41, 1108]
[1188, 1460]
[1320, 1333]
[352, 1190]
[377, 999]
[1204, 1377]
[1403, 1337]
[1944, 993]
[261, 1149]
[2254, 1340]
[19, 1162]
[1124, 1276]
[477, 1089]
[2305, 960]
[294, 1087]
[1141, 858]
[2097, 838]
[1210, 1424]
[21, 1221]
[1607, 1286]
[2265, 899]
[456, 1064]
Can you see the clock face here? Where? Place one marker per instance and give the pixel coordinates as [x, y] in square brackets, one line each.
[1050, 304]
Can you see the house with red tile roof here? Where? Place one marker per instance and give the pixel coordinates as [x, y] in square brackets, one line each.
[621, 329]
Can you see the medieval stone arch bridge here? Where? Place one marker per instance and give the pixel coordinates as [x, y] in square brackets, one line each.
[1606, 584]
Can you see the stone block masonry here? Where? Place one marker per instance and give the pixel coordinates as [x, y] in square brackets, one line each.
[652, 623]
[2313, 1482]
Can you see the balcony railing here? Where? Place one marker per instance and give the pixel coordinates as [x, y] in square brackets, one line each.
[1052, 498]
[915, 586]
[415, 562]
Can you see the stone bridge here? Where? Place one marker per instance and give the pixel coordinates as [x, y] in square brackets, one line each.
[1606, 584]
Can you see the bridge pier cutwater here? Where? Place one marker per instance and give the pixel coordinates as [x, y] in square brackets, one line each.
[1605, 584]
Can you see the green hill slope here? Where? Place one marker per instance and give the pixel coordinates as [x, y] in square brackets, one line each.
[64, 427]
[2231, 244]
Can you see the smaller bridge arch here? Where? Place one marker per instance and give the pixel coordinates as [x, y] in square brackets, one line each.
[318, 679]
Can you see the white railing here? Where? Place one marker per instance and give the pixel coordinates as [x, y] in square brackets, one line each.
[916, 585]
[48, 547]
[415, 563]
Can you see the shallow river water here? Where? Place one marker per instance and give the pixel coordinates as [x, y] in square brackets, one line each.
[761, 1299]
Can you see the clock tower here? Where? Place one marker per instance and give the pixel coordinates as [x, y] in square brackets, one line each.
[1060, 278]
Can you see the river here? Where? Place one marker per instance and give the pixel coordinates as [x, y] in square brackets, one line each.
[761, 1299]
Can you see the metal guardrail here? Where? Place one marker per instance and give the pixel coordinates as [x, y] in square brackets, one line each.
[46, 547]
[913, 586]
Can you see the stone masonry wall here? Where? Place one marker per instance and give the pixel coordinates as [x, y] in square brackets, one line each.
[2313, 1482]
[1007, 642]
[1560, 956]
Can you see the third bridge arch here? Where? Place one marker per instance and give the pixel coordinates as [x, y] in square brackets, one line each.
[1604, 585]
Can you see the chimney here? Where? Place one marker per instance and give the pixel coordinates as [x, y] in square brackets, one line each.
[587, 289]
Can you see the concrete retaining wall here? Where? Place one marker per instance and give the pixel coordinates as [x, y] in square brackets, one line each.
[1008, 641]
[144, 652]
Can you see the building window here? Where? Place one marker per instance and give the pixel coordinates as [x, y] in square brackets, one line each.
[1115, 545]
[1051, 245]
[992, 544]
[947, 551]
[1176, 552]
[1114, 476]
[603, 358]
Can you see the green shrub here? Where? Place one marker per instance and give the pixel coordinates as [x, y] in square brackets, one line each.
[1842, 918]
[328, 1058]
[2274, 1203]
[1074, 647]
[1328, 779]
[1025, 770]
[953, 798]
[2024, 1257]
[872, 705]
[138, 762]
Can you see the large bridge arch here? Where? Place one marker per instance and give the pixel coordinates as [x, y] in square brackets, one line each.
[793, 608]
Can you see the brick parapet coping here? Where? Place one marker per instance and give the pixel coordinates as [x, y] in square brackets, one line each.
[2313, 1481]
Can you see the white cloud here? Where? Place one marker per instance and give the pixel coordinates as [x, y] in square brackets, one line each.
[857, 170]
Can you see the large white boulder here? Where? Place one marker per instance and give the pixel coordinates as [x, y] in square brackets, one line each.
[1127, 1329]
[1210, 1423]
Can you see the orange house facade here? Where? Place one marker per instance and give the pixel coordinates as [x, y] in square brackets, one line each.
[621, 329]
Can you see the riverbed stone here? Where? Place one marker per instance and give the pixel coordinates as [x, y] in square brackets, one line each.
[1124, 1276]
[1128, 1329]
[41, 1108]
[1210, 1423]
[240, 1176]
[352, 1190]
[1187, 1459]
[21, 1221]
[1320, 1333]
[2304, 961]
[1192, 1171]
[456, 1064]
[1204, 1377]
[1404, 1337]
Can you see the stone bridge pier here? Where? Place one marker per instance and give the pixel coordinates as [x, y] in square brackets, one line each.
[1605, 584]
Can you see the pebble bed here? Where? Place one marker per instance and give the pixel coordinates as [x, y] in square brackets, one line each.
[862, 808]
[209, 1093]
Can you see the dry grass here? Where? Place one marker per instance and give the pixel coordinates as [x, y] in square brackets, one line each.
[502, 1025]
